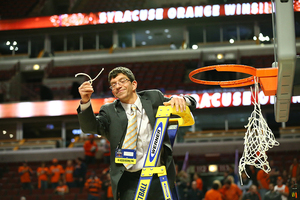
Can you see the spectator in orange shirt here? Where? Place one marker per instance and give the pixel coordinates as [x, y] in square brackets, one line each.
[42, 173]
[294, 169]
[213, 194]
[282, 189]
[263, 182]
[198, 181]
[93, 185]
[69, 170]
[25, 172]
[107, 188]
[55, 171]
[62, 188]
[231, 191]
[90, 149]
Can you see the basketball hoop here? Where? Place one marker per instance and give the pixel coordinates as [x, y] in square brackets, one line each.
[258, 137]
[267, 77]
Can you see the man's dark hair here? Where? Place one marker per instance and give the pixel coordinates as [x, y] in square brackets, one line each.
[123, 70]
[227, 181]
[215, 186]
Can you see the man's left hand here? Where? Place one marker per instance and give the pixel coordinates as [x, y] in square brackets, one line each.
[178, 102]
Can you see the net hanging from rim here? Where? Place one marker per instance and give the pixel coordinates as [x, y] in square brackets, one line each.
[258, 138]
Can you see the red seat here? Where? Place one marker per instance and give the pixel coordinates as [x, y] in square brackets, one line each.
[25, 192]
[37, 192]
[82, 196]
[69, 196]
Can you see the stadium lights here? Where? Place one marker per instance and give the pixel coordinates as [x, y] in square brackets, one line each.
[220, 56]
[11, 135]
[4, 132]
[231, 41]
[212, 168]
[261, 37]
[13, 47]
[36, 67]
[195, 46]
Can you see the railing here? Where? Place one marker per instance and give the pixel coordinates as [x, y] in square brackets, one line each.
[27, 144]
[215, 135]
[290, 132]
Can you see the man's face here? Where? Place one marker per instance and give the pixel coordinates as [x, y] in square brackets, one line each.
[227, 186]
[123, 91]
[279, 181]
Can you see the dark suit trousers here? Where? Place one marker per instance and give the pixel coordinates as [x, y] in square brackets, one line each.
[128, 184]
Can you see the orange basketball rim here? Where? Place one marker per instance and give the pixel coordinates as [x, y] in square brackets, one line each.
[267, 77]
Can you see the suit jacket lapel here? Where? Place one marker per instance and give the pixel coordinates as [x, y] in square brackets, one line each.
[147, 105]
[122, 115]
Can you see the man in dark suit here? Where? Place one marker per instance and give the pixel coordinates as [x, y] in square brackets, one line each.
[112, 120]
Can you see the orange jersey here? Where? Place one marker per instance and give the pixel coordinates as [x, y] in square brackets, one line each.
[90, 149]
[42, 173]
[199, 184]
[55, 172]
[263, 178]
[69, 174]
[94, 186]
[294, 170]
[25, 176]
[213, 195]
[109, 192]
[233, 193]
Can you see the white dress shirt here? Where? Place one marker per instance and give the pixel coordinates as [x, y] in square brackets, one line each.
[144, 134]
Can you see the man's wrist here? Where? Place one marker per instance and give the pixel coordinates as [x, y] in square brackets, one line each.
[84, 101]
[84, 106]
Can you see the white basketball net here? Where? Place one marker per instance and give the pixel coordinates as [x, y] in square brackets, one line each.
[258, 139]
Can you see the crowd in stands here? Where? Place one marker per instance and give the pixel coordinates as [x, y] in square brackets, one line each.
[275, 185]
[61, 179]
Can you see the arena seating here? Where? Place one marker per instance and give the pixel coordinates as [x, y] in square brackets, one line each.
[215, 135]
[107, 5]
[16, 8]
[262, 61]
[7, 74]
[169, 76]
[10, 186]
[164, 75]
